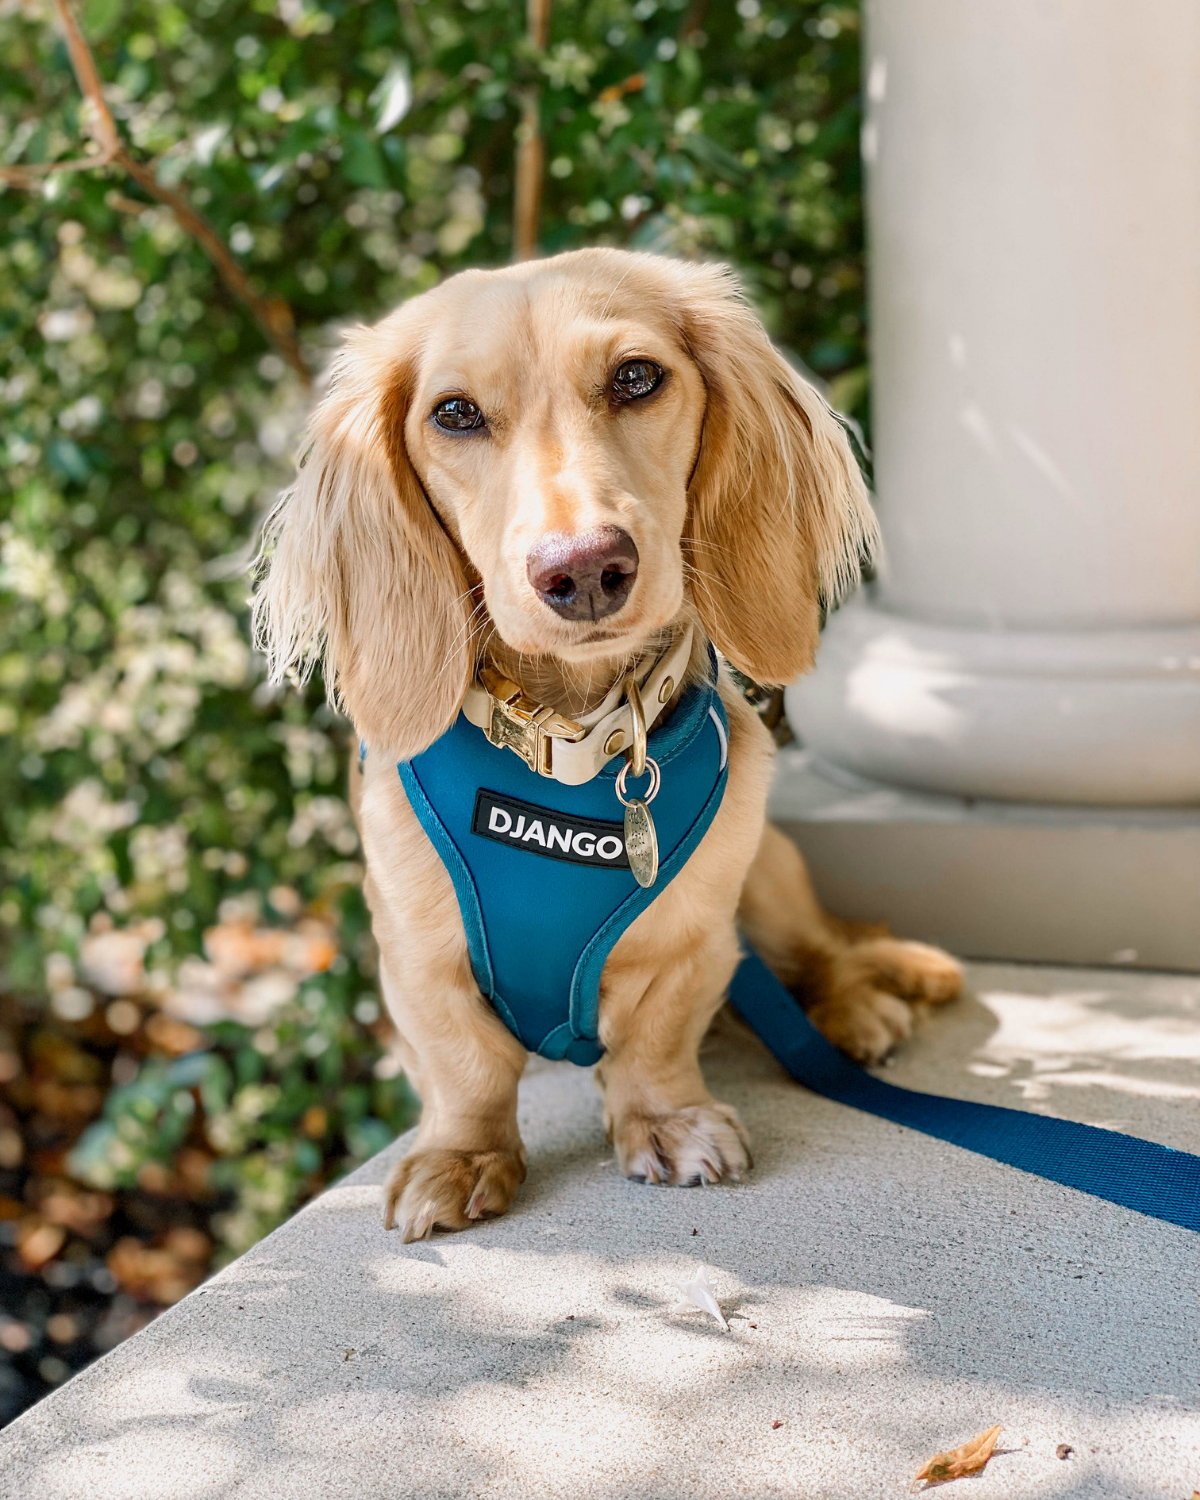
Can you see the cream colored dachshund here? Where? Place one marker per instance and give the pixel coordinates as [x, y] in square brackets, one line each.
[531, 499]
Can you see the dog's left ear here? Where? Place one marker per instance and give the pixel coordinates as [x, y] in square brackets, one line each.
[779, 524]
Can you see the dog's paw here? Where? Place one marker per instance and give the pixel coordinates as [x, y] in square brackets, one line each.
[873, 989]
[687, 1148]
[866, 1024]
[449, 1190]
[917, 972]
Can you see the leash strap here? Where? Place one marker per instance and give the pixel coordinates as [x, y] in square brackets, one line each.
[1142, 1175]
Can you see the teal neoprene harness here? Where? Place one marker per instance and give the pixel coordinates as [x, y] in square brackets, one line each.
[539, 868]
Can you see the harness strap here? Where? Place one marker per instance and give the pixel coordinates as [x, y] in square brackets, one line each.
[1141, 1175]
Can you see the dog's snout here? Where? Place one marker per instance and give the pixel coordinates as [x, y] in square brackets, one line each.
[584, 577]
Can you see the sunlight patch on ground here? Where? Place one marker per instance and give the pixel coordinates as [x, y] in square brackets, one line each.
[1053, 1031]
[130, 1466]
[1039, 1087]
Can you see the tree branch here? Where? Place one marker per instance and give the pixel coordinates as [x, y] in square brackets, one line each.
[272, 314]
[103, 126]
[32, 176]
[531, 155]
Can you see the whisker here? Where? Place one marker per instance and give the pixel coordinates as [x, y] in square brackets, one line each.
[711, 546]
[614, 292]
[468, 629]
[701, 583]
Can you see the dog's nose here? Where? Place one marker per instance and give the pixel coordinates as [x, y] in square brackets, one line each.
[584, 577]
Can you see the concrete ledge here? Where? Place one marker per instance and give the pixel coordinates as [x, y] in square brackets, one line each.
[889, 1296]
[999, 880]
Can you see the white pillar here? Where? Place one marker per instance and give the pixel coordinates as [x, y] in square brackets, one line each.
[1034, 229]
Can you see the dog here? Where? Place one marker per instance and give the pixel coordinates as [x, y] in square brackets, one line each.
[556, 471]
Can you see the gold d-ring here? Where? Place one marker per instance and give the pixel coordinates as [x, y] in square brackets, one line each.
[651, 791]
[636, 753]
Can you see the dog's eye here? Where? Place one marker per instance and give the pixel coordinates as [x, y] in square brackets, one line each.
[457, 414]
[636, 378]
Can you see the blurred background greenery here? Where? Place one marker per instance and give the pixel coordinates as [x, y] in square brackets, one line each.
[191, 1042]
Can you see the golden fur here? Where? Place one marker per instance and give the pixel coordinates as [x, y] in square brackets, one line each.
[399, 558]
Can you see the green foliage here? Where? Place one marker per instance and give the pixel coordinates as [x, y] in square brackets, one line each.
[351, 153]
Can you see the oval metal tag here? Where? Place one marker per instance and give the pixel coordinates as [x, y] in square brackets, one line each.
[641, 843]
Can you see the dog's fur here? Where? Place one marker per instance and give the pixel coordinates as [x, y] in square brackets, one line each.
[399, 558]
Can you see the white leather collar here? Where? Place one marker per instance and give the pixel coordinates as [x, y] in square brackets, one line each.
[537, 734]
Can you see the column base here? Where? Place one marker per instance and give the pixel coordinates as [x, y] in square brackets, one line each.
[1101, 717]
[998, 879]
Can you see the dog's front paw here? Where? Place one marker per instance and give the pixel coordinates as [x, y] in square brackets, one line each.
[450, 1190]
[687, 1147]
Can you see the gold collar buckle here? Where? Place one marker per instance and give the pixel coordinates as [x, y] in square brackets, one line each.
[518, 722]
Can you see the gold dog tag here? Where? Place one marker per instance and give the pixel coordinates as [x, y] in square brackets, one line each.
[641, 842]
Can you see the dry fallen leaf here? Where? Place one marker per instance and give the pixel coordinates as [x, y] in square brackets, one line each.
[698, 1296]
[968, 1459]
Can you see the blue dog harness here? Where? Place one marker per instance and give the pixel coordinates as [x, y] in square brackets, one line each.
[545, 889]
[540, 869]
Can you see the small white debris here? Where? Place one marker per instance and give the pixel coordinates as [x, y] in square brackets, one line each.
[698, 1296]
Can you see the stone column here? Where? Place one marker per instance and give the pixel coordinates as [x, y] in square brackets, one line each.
[1034, 229]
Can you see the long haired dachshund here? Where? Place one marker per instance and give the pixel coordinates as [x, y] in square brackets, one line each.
[553, 472]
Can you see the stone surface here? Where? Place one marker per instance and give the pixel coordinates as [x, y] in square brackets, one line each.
[1099, 718]
[990, 879]
[888, 1296]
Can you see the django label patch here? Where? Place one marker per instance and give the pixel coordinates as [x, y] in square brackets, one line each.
[554, 835]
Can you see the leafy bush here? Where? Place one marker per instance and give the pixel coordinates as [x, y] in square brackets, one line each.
[349, 153]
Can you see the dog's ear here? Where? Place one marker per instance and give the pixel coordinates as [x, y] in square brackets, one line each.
[779, 523]
[356, 570]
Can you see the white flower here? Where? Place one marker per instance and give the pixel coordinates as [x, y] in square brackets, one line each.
[86, 815]
[65, 323]
[112, 961]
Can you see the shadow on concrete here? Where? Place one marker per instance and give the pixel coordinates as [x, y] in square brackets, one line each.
[891, 1297]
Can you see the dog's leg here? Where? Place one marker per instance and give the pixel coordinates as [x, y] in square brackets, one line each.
[468, 1160]
[664, 1124]
[858, 983]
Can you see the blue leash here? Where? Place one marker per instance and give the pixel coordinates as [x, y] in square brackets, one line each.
[1137, 1174]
